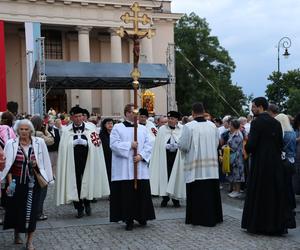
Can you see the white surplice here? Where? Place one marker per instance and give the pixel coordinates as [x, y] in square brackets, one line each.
[122, 167]
[198, 143]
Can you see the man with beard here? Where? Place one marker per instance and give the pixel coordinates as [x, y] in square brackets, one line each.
[266, 209]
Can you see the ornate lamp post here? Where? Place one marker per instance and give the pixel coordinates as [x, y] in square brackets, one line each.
[136, 34]
[284, 42]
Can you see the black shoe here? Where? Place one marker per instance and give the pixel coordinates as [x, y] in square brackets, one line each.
[129, 226]
[176, 204]
[42, 217]
[80, 214]
[163, 203]
[142, 222]
[88, 211]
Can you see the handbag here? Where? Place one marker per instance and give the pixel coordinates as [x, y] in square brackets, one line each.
[40, 179]
[226, 160]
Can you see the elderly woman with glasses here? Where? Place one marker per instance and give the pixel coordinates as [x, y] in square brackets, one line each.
[22, 155]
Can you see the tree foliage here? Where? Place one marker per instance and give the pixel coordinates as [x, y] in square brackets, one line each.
[284, 90]
[293, 103]
[193, 40]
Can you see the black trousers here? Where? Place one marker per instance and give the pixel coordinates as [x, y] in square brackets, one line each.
[80, 157]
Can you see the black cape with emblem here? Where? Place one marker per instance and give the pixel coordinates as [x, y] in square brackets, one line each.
[266, 209]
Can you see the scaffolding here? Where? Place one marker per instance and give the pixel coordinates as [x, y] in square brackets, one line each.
[38, 96]
[171, 95]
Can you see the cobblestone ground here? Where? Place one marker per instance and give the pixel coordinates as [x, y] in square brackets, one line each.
[62, 231]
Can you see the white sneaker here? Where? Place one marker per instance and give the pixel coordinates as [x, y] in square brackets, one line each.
[230, 194]
[234, 194]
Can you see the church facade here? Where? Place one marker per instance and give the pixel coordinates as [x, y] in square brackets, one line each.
[82, 30]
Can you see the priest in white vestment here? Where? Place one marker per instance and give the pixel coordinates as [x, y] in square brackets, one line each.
[163, 158]
[127, 203]
[199, 142]
[81, 171]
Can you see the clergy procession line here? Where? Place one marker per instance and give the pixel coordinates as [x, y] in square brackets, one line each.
[177, 159]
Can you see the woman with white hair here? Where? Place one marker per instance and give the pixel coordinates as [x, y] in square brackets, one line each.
[289, 155]
[23, 155]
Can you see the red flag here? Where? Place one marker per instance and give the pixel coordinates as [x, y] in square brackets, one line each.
[3, 95]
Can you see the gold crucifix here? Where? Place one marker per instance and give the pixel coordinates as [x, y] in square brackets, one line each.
[136, 34]
[136, 19]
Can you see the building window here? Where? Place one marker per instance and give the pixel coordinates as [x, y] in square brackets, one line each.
[53, 44]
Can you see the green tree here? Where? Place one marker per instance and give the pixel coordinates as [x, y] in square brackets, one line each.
[193, 41]
[293, 102]
[283, 90]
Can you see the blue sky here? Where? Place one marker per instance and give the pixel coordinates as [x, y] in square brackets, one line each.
[250, 31]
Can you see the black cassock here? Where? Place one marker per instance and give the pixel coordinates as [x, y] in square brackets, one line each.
[104, 136]
[266, 208]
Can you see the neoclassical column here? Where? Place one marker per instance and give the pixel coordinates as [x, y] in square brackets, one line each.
[106, 107]
[85, 96]
[146, 48]
[116, 57]
[84, 43]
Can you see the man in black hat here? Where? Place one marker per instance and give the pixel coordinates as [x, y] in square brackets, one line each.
[81, 171]
[143, 120]
[163, 158]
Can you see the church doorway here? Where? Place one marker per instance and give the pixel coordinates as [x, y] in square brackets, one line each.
[57, 99]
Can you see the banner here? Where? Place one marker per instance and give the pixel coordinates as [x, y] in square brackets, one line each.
[35, 96]
[3, 94]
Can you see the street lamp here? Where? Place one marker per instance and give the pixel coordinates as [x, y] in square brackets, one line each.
[285, 42]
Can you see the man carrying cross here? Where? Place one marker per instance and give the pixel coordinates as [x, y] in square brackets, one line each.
[131, 149]
[127, 203]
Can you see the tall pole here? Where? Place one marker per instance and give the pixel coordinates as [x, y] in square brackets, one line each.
[285, 42]
[136, 34]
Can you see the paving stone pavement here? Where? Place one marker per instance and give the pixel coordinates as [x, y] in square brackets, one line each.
[168, 231]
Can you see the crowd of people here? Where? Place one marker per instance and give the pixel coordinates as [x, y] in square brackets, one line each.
[190, 157]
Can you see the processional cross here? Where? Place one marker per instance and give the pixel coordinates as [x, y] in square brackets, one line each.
[136, 34]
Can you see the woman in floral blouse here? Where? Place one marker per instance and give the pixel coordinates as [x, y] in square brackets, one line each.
[235, 142]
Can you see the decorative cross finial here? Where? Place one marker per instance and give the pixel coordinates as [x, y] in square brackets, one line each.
[135, 18]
